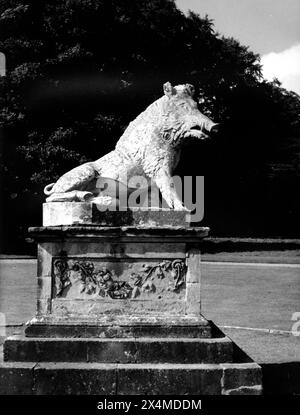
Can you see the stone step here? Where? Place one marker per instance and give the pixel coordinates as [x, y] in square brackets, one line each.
[122, 326]
[126, 379]
[119, 350]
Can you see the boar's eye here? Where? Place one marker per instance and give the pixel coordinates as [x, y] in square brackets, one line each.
[186, 106]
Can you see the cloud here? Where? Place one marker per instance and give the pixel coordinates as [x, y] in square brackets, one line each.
[285, 66]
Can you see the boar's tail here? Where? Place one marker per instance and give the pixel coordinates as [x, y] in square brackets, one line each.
[48, 189]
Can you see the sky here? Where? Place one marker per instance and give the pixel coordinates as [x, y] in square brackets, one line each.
[269, 27]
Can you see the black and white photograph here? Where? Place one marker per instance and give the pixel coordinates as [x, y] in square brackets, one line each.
[149, 203]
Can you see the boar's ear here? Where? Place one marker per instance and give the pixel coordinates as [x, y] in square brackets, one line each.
[190, 89]
[169, 90]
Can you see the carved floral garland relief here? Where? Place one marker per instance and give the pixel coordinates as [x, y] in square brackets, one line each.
[105, 283]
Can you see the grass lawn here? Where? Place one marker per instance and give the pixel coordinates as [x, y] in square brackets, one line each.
[251, 296]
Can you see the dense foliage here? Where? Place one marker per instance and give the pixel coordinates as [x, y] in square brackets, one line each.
[79, 70]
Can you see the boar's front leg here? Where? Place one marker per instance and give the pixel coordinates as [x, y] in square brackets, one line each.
[166, 186]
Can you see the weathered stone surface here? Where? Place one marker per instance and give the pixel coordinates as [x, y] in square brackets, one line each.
[75, 379]
[88, 271]
[119, 313]
[44, 288]
[247, 390]
[22, 349]
[88, 330]
[44, 306]
[140, 350]
[108, 280]
[154, 366]
[110, 248]
[120, 326]
[16, 379]
[67, 213]
[97, 379]
[95, 309]
[193, 298]
[184, 351]
[175, 234]
[150, 147]
[44, 259]
[244, 374]
[169, 379]
[87, 213]
[50, 329]
[193, 263]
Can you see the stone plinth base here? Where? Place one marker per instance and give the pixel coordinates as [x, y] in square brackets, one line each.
[88, 213]
[126, 326]
[143, 363]
[88, 272]
[119, 312]
[44, 378]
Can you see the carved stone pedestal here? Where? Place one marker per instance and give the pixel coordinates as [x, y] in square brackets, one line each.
[119, 312]
[92, 272]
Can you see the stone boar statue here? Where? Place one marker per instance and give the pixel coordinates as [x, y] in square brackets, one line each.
[150, 147]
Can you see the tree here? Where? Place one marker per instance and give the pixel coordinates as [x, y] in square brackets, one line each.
[79, 70]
